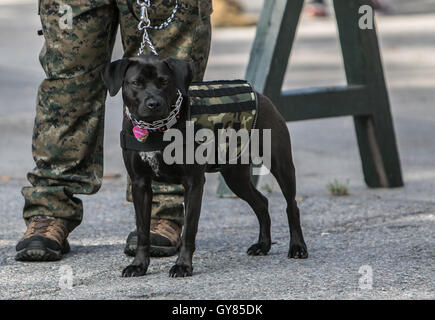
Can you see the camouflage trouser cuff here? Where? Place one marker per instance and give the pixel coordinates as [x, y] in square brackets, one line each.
[168, 201]
[170, 207]
[53, 202]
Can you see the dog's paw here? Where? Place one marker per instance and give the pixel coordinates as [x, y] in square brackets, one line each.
[180, 270]
[134, 271]
[259, 249]
[298, 251]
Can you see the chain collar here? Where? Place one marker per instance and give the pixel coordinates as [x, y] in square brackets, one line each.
[159, 125]
[145, 23]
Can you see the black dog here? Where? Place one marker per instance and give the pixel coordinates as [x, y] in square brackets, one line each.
[149, 89]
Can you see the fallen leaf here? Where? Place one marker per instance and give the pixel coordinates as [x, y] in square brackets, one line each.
[111, 176]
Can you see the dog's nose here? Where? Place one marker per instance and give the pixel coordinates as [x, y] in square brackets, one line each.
[153, 104]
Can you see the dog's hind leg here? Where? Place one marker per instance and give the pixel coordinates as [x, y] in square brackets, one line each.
[282, 168]
[284, 172]
[239, 181]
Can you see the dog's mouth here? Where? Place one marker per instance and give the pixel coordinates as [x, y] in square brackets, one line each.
[155, 117]
[142, 112]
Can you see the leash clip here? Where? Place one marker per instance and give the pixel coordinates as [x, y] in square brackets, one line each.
[145, 23]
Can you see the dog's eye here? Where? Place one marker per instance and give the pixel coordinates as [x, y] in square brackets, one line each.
[136, 83]
[163, 81]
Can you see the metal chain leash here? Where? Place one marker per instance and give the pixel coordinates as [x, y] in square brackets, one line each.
[145, 24]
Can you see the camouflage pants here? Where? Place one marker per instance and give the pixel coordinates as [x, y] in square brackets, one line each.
[67, 142]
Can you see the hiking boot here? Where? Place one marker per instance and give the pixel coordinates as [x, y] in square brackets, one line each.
[164, 238]
[44, 240]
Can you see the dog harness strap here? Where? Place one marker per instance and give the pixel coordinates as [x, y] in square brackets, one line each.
[153, 143]
[229, 107]
[219, 82]
[230, 91]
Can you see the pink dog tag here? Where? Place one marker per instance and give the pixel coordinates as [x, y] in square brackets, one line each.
[140, 134]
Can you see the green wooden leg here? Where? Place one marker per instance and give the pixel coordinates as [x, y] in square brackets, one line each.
[272, 46]
[224, 192]
[363, 65]
[270, 55]
[365, 97]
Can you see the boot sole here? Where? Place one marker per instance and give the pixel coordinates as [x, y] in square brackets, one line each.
[37, 251]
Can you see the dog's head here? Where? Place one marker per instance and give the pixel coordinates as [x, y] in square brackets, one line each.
[149, 84]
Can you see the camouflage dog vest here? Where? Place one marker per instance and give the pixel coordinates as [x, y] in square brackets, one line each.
[223, 105]
[214, 105]
[217, 105]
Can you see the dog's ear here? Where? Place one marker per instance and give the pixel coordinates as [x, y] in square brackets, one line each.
[183, 73]
[113, 75]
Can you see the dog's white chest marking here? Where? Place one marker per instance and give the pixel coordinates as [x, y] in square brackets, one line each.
[151, 159]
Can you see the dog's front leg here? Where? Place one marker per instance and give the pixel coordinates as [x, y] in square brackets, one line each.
[142, 199]
[192, 201]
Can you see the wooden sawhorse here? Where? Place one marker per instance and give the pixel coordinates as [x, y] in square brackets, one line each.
[365, 97]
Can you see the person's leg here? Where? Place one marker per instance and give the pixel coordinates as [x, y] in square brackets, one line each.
[67, 142]
[188, 38]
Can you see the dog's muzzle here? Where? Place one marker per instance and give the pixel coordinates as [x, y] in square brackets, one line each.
[162, 124]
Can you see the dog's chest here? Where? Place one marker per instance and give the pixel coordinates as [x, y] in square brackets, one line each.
[152, 160]
[155, 166]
